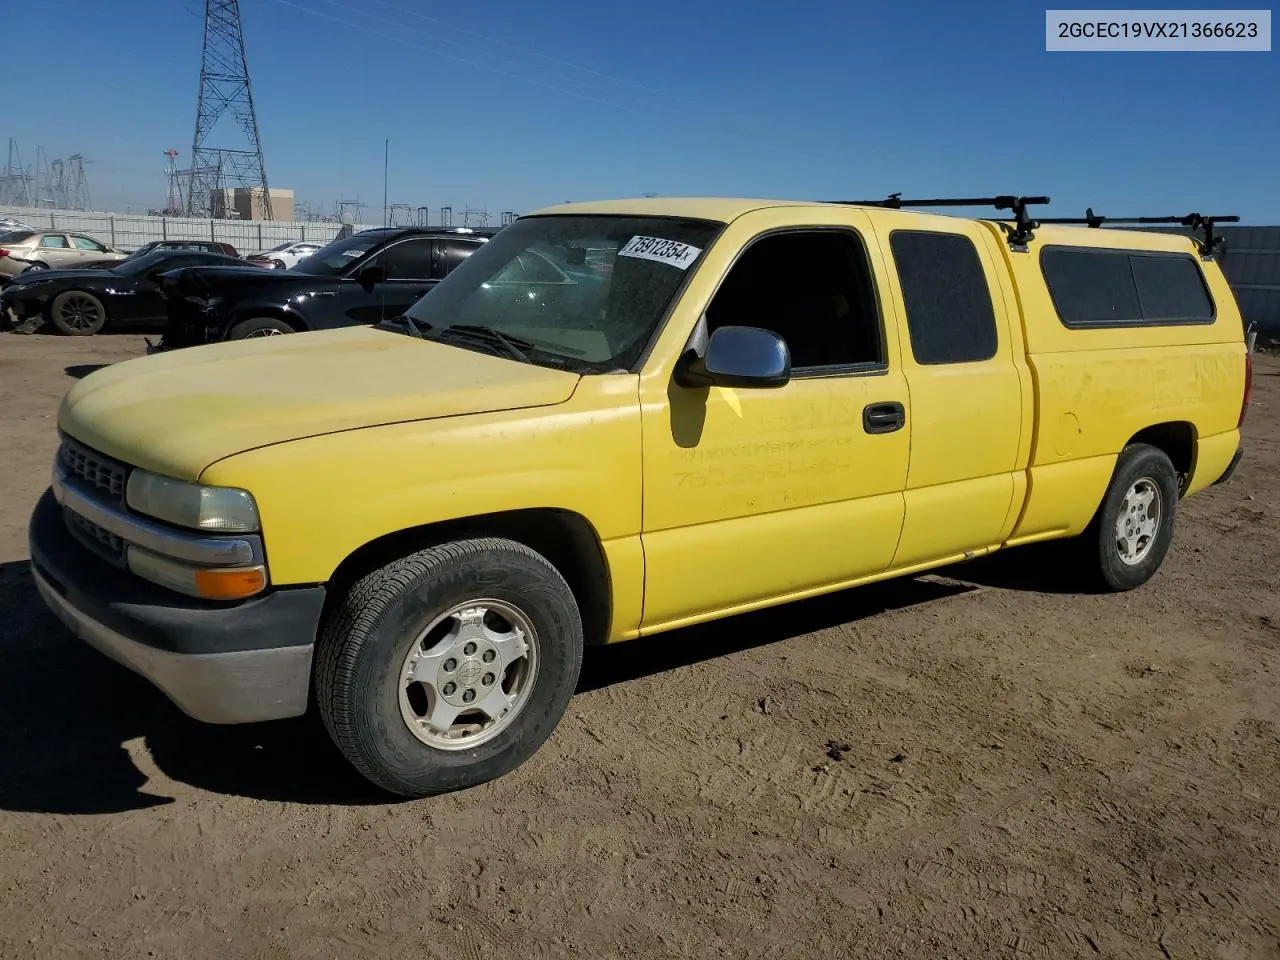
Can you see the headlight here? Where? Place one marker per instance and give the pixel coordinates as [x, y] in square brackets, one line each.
[216, 509]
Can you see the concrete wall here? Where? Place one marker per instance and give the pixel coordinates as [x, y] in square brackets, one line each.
[127, 231]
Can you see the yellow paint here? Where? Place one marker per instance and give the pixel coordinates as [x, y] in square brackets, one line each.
[706, 502]
[179, 411]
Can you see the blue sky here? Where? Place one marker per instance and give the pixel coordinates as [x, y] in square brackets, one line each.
[513, 105]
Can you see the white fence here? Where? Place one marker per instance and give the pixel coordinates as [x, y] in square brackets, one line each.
[127, 231]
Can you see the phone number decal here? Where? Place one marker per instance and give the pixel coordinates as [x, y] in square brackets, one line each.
[1173, 30]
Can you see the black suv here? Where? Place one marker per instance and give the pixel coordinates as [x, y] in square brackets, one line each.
[362, 279]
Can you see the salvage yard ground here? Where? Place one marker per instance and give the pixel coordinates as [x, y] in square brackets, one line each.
[980, 764]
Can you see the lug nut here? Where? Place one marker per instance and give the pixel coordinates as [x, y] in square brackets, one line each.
[450, 665]
[468, 696]
[488, 679]
[488, 656]
[469, 649]
[449, 689]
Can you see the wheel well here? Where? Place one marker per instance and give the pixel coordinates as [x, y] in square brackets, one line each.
[275, 313]
[565, 538]
[1178, 441]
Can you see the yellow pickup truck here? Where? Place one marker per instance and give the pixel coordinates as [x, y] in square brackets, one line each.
[616, 419]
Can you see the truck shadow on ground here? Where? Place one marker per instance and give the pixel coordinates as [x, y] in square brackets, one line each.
[79, 371]
[78, 732]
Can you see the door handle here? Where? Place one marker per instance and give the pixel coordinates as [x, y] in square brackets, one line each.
[883, 417]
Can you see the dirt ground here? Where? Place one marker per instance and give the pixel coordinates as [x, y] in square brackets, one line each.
[1021, 770]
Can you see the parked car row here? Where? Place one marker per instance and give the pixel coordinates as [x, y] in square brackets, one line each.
[83, 302]
[195, 294]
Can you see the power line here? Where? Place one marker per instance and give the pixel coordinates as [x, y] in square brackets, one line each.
[702, 128]
[442, 53]
[490, 56]
[535, 53]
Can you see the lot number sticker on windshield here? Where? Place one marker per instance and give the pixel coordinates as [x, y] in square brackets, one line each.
[671, 252]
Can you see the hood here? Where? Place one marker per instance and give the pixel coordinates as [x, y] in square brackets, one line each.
[37, 276]
[178, 412]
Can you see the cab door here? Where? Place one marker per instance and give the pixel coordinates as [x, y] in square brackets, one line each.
[964, 368]
[409, 267]
[756, 495]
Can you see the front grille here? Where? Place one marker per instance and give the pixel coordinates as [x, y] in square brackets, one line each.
[94, 469]
[101, 541]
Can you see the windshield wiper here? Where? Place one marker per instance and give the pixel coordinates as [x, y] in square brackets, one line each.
[515, 346]
[416, 328]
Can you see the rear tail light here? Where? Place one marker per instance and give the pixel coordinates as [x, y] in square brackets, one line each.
[1248, 388]
[4, 253]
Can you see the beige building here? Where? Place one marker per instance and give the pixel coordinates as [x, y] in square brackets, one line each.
[245, 203]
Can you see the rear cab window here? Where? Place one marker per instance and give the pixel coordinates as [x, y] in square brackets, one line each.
[950, 318]
[1094, 287]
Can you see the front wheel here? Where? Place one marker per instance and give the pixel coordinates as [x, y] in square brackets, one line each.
[1133, 528]
[450, 667]
[259, 327]
[77, 314]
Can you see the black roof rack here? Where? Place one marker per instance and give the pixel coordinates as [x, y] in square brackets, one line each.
[1018, 235]
[1205, 244]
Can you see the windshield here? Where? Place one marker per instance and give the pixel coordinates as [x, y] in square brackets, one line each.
[141, 252]
[282, 246]
[337, 257]
[585, 292]
[136, 266]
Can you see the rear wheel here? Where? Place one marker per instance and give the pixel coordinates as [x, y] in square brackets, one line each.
[77, 314]
[38, 265]
[259, 327]
[1133, 528]
[450, 667]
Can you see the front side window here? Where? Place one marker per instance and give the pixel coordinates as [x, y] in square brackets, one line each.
[407, 260]
[84, 243]
[950, 318]
[137, 266]
[814, 289]
[532, 284]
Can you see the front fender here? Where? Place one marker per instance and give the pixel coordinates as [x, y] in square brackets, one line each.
[322, 498]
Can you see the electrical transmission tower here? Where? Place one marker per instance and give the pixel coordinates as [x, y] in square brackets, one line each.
[15, 181]
[77, 183]
[349, 211]
[173, 206]
[224, 90]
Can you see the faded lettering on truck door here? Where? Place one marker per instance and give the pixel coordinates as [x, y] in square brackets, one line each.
[754, 493]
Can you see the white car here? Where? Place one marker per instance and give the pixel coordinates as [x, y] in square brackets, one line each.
[286, 254]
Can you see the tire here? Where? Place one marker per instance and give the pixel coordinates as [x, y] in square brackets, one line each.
[38, 265]
[422, 613]
[1143, 472]
[259, 327]
[77, 313]
[279, 264]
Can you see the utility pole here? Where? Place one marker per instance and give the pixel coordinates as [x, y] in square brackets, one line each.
[386, 165]
[225, 89]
